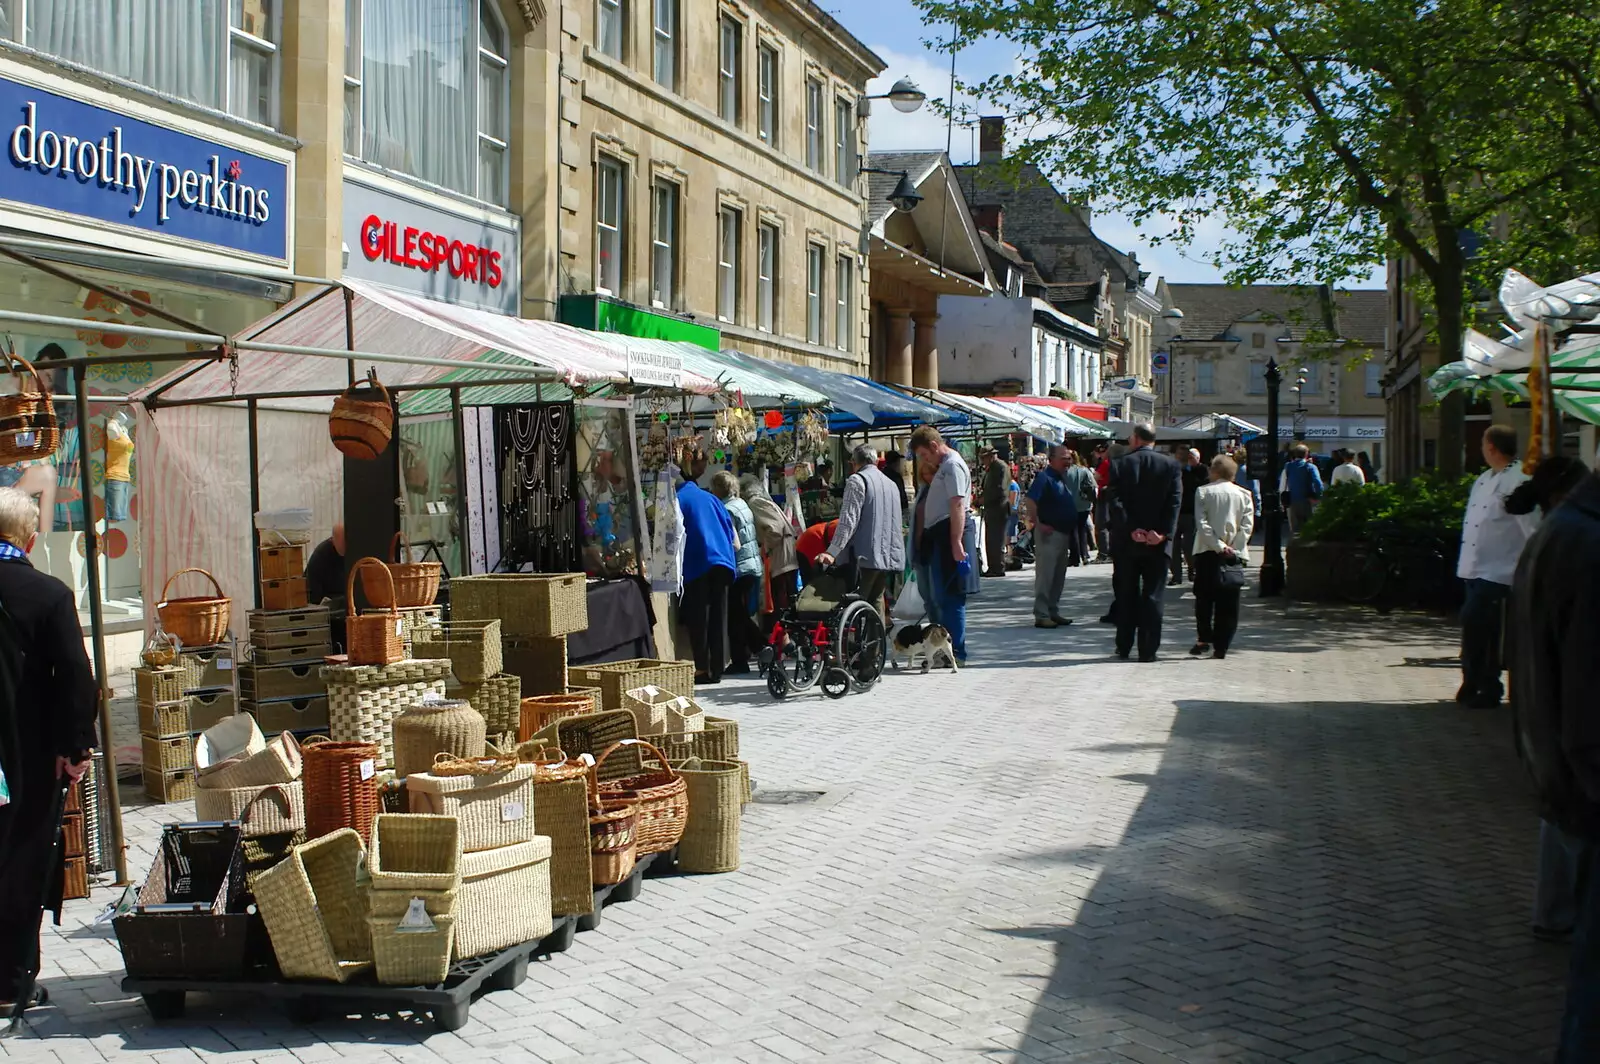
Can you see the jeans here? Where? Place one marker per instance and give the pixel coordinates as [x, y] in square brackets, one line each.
[1482, 614]
[1562, 859]
[118, 494]
[1183, 547]
[1050, 555]
[1216, 609]
[1580, 1027]
[923, 571]
[1139, 577]
[745, 637]
[946, 586]
[704, 610]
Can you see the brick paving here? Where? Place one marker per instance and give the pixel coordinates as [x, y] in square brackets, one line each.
[1300, 854]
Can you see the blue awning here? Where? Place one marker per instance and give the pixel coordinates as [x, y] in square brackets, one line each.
[857, 403]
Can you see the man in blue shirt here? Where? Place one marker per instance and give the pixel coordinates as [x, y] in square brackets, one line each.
[1054, 514]
[708, 568]
[1302, 483]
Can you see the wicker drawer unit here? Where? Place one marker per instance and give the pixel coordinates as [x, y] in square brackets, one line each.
[527, 604]
[280, 638]
[156, 686]
[207, 668]
[286, 594]
[164, 720]
[614, 678]
[72, 834]
[292, 714]
[167, 755]
[363, 700]
[312, 653]
[169, 786]
[210, 707]
[540, 662]
[287, 620]
[270, 683]
[75, 881]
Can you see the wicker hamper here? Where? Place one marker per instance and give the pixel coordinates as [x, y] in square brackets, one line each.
[505, 898]
[492, 801]
[499, 699]
[710, 840]
[615, 678]
[527, 604]
[341, 787]
[473, 648]
[363, 700]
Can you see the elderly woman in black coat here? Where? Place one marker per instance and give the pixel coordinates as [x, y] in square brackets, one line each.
[47, 713]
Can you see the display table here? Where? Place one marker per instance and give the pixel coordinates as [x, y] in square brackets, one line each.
[621, 624]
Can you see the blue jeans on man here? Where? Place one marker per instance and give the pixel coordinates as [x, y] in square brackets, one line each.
[946, 590]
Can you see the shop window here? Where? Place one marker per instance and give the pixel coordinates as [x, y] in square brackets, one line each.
[730, 71]
[844, 141]
[609, 517]
[728, 234]
[843, 300]
[814, 121]
[767, 94]
[431, 91]
[666, 43]
[608, 31]
[610, 217]
[1205, 377]
[1258, 379]
[767, 278]
[815, 267]
[664, 245]
[218, 54]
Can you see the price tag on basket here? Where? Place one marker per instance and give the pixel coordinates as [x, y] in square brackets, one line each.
[369, 768]
[225, 664]
[511, 811]
[416, 921]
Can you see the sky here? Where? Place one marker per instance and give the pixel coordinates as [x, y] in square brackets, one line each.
[895, 31]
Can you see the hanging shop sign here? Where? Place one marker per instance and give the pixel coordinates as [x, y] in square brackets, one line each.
[469, 258]
[72, 158]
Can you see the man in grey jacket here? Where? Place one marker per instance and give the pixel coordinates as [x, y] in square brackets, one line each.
[870, 531]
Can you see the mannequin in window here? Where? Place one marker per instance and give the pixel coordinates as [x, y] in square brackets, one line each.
[119, 457]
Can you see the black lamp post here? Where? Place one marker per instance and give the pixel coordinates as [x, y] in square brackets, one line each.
[1272, 572]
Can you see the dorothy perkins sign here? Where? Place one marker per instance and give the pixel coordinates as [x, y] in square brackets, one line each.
[68, 156]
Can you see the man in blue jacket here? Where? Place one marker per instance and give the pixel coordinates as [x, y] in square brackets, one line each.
[708, 568]
[1302, 483]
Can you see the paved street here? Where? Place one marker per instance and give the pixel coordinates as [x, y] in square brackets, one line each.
[1303, 853]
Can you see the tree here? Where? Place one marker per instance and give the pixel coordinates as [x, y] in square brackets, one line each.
[1463, 134]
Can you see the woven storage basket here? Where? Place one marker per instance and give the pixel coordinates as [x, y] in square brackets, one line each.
[561, 802]
[412, 851]
[410, 584]
[499, 699]
[275, 810]
[528, 604]
[158, 686]
[314, 904]
[199, 621]
[363, 700]
[362, 420]
[539, 711]
[396, 903]
[207, 668]
[613, 839]
[29, 428]
[227, 743]
[618, 677]
[341, 787]
[280, 761]
[167, 755]
[541, 662]
[411, 956]
[372, 639]
[493, 801]
[591, 733]
[164, 719]
[710, 840]
[424, 731]
[658, 712]
[473, 648]
[209, 708]
[263, 852]
[505, 898]
[661, 793]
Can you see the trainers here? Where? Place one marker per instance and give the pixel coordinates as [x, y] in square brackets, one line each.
[1061, 622]
[1046, 624]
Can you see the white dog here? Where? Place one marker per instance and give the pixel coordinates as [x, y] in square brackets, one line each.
[925, 642]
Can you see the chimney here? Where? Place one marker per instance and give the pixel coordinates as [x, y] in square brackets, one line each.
[989, 218]
[991, 138]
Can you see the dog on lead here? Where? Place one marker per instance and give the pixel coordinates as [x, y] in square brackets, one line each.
[928, 643]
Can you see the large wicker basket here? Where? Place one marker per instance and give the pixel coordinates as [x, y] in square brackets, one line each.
[505, 898]
[341, 787]
[362, 420]
[529, 604]
[492, 801]
[314, 904]
[662, 794]
[616, 678]
[499, 699]
[613, 838]
[561, 799]
[414, 584]
[197, 621]
[29, 428]
[424, 731]
[372, 639]
[473, 648]
[710, 840]
[539, 711]
[412, 851]
[592, 733]
[363, 700]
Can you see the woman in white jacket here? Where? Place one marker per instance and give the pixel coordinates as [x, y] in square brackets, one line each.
[1224, 517]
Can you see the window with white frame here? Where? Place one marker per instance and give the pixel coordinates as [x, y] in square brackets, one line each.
[767, 94]
[608, 27]
[431, 94]
[1205, 377]
[766, 277]
[816, 266]
[730, 73]
[217, 53]
[1374, 375]
[664, 244]
[729, 228]
[844, 141]
[843, 302]
[665, 66]
[814, 122]
[610, 223]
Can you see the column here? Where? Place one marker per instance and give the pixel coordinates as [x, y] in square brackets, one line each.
[897, 352]
[312, 55]
[925, 354]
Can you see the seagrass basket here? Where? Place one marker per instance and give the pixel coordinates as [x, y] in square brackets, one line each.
[362, 420]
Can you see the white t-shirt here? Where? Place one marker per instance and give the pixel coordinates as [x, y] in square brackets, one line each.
[952, 481]
[1348, 473]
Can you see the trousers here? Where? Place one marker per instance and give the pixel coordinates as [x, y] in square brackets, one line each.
[704, 607]
[1482, 614]
[1216, 609]
[1562, 860]
[946, 585]
[994, 540]
[1183, 547]
[1051, 552]
[1580, 1027]
[745, 637]
[1139, 578]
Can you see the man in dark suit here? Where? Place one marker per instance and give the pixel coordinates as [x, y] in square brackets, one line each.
[1147, 492]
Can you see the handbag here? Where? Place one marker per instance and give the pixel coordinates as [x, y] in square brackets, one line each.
[1230, 575]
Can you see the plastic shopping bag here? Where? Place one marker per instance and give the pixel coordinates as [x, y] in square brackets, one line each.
[909, 606]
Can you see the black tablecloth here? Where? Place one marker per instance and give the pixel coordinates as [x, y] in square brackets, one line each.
[621, 624]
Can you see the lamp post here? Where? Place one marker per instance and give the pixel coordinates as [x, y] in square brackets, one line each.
[1300, 404]
[905, 196]
[1272, 573]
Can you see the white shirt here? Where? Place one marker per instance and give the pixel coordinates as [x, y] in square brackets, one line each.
[1491, 538]
[1348, 473]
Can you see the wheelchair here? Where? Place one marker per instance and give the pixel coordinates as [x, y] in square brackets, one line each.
[830, 636]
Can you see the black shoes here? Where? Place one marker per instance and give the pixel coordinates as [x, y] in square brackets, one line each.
[1061, 622]
[1199, 649]
[1108, 619]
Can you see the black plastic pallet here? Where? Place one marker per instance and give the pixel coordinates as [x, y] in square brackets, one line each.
[655, 864]
[448, 1002]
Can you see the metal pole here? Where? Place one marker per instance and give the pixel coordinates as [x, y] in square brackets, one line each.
[255, 498]
[350, 332]
[458, 415]
[1272, 571]
[97, 637]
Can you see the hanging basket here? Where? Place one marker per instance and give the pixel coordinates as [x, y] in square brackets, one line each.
[410, 584]
[29, 428]
[199, 621]
[362, 421]
[373, 639]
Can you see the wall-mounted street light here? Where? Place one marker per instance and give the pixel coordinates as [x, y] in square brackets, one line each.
[905, 196]
[903, 96]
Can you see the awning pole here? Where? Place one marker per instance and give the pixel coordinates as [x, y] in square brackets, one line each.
[255, 497]
[97, 634]
[350, 331]
[458, 415]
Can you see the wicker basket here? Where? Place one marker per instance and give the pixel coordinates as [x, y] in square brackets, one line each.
[540, 711]
[341, 787]
[428, 729]
[718, 742]
[662, 795]
[528, 604]
[199, 621]
[413, 851]
[561, 802]
[167, 755]
[397, 903]
[372, 639]
[280, 761]
[616, 678]
[505, 898]
[156, 686]
[362, 420]
[590, 734]
[164, 720]
[405, 956]
[263, 852]
[710, 840]
[658, 712]
[613, 839]
[473, 648]
[492, 801]
[227, 743]
[315, 906]
[29, 428]
[540, 661]
[413, 584]
[499, 699]
[274, 810]
[364, 700]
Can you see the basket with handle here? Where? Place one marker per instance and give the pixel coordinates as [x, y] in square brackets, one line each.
[613, 837]
[361, 423]
[410, 584]
[273, 810]
[196, 621]
[372, 639]
[710, 840]
[590, 733]
[538, 711]
[278, 761]
[314, 904]
[662, 794]
[29, 427]
[341, 787]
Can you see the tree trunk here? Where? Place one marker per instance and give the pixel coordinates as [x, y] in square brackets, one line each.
[1448, 308]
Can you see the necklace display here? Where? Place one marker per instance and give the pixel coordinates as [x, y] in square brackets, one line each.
[538, 512]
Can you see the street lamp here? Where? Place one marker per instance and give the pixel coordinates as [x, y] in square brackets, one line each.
[905, 196]
[1299, 404]
[903, 96]
[1272, 573]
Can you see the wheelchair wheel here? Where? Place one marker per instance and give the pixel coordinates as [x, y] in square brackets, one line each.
[835, 682]
[794, 665]
[861, 644]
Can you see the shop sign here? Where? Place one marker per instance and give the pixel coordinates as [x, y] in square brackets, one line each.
[463, 258]
[601, 314]
[655, 369]
[1331, 430]
[69, 156]
[1367, 432]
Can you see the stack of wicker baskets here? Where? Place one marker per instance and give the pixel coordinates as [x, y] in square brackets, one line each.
[415, 864]
[536, 614]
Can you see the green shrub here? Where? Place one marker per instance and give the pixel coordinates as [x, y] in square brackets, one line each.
[1429, 506]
